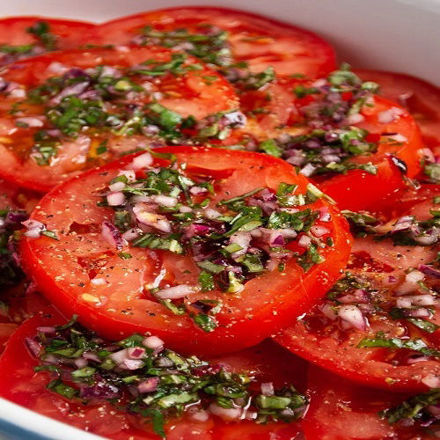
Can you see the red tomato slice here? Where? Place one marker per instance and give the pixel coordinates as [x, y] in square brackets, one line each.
[345, 189]
[275, 112]
[14, 33]
[259, 41]
[24, 387]
[421, 98]
[267, 302]
[340, 410]
[388, 303]
[23, 162]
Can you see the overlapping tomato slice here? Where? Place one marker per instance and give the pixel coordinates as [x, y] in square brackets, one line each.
[21, 385]
[66, 112]
[341, 410]
[421, 98]
[382, 317]
[23, 37]
[225, 36]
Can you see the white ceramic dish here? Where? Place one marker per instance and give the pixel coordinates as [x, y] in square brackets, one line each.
[397, 35]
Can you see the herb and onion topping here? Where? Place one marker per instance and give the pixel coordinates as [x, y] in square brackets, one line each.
[97, 108]
[328, 115]
[231, 240]
[46, 41]
[422, 409]
[404, 231]
[142, 376]
[10, 221]
[208, 43]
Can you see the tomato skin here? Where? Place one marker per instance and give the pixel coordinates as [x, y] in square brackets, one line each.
[341, 410]
[70, 33]
[421, 98]
[294, 292]
[188, 94]
[21, 385]
[286, 48]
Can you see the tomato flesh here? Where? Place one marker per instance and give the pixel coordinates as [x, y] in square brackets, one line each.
[118, 308]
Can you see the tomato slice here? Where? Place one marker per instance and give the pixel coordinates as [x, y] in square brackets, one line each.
[23, 37]
[23, 386]
[377, 319]
[340, 410]
[313, 126]
[259, 41]
[51, 135]
[421, 98]
[121, 306]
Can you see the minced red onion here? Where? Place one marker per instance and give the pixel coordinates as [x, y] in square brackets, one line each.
[328, 311]
[119, 356]
[74, 89]
[225, 413]
[420, 312]
[33, 346]
[243, 240]
[267, 389]
[117, 186]
[211, 214]
[428, 238]
[428, 155]
[398, 138]
[132, 364]
[307, 170]
[34, 228]
[46, 330]
[30, 121]
[154, 343]
[353, 316]
[197, 190]
[431, 381]
[403, 223]
[429, 270]
[199, 415]
[304, 241]
[136, 352]
[91, 357]
[414, 359]
[166, 201]
[419, 300]
[131, 234]
[115, 198]
[129, 174]
[80, 362]
[390, 115]
[175, 292]
[149, 385]
[411, 282]
[111, 235]
[319, 231]
[57, 68]
[152, 219]
[354, 119]
[142, 161]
